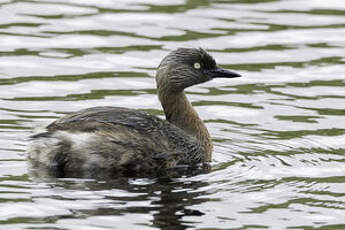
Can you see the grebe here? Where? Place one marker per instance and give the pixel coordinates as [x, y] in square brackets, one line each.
[122, 140]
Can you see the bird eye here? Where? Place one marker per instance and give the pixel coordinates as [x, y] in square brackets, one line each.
[197, 65]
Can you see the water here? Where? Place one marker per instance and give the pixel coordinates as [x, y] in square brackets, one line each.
[279, 132]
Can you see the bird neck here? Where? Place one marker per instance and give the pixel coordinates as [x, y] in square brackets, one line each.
[180, 112]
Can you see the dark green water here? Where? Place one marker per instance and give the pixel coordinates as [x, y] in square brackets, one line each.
[279, 131]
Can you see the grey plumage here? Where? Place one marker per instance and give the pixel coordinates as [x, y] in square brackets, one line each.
[120, 140]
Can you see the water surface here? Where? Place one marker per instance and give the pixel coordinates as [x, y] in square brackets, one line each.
[279, 131]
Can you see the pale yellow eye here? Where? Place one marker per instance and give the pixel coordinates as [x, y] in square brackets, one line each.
[197, 65]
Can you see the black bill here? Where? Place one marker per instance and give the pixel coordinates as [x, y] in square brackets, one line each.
[219, 72]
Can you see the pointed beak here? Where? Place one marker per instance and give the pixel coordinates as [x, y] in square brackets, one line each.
[219, 72]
